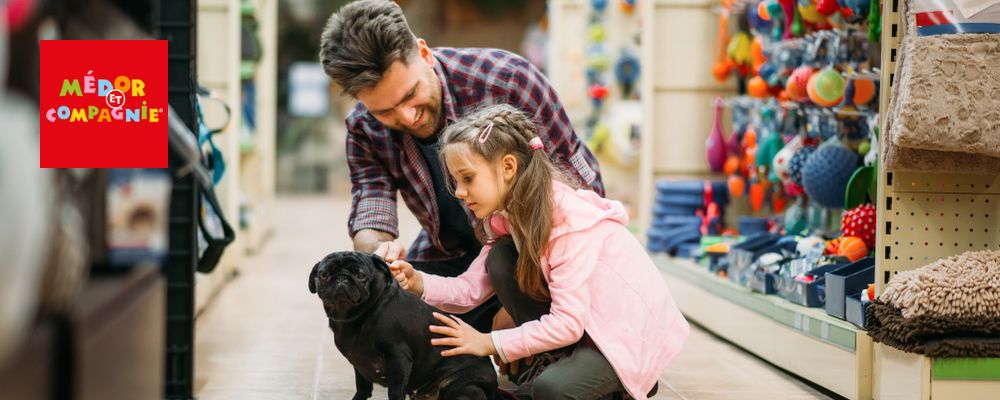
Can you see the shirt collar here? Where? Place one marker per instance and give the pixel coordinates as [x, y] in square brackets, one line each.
[448, 102]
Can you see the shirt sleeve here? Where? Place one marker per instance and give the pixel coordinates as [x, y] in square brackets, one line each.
[373, 193]
[462, 293]
[530, 91]
[572, 262]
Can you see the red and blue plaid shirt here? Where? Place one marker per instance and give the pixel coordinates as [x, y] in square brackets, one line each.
[383, 161]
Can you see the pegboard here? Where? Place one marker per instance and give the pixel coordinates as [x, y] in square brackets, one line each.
[923, 217]
[921, 226]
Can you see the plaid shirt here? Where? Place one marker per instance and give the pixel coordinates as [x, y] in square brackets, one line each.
[383, 161]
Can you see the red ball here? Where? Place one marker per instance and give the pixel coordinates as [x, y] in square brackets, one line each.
[598, 91]
[827, 7]
[798, 82]
[860, 222]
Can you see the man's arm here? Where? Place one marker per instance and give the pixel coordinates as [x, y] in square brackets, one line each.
[373, 219]
[369, 240]
[531, 92]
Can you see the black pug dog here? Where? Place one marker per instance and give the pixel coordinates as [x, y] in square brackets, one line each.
[383, 331]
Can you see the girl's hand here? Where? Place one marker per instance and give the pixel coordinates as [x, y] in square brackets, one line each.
[464, 338]
[407, 277]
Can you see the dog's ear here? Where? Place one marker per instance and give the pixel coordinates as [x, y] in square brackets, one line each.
[312, 278]
[383, 267]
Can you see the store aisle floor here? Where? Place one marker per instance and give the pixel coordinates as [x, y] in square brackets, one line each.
[265, 335]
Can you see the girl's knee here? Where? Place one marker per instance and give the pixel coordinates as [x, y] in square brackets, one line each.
[549, 387]
[501, 263]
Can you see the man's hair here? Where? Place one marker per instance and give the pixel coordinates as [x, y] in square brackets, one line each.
[362, 40]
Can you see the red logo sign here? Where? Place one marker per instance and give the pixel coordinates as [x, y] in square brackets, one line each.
[103, 103]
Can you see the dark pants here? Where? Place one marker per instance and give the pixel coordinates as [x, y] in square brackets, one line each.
[584, 373]
[480, 317]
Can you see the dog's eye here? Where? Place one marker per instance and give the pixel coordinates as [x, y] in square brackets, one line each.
[359, 274]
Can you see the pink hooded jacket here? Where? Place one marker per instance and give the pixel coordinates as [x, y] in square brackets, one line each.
[601, 282]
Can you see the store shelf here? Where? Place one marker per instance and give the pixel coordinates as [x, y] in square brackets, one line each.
[257, 158]
[804, 341]
[911, 376]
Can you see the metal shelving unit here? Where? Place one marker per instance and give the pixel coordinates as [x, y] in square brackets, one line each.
[176, 23]
[923, 217]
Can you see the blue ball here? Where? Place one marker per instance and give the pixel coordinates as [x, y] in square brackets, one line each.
[826, 173]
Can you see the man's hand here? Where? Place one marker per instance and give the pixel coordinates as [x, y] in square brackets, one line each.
[407, 277]
[391, 251]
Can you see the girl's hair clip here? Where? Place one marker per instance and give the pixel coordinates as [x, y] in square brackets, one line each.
[536, 143]
[486, 133]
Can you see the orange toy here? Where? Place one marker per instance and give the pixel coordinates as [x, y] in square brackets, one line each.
[853, 248]
[722, 66]
[778, 202]
[721, 70]
[736, 186]
[798, 82]
[757, 196]
[731, 166]
[864, 91]
[750, 138]
[757, 53]
[757, 87]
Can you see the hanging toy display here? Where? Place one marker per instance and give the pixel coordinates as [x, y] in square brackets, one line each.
[627, 73]
[803, 124]
[715, 146]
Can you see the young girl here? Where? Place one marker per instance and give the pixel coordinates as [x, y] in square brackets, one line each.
[561, 262]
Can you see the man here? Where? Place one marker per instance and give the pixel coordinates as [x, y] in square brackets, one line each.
[407, 94]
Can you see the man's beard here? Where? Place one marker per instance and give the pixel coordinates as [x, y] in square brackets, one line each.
[431, 126]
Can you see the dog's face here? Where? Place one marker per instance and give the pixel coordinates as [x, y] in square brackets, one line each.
[347, 280]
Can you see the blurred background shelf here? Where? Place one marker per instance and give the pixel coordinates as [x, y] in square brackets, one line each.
[247, 190]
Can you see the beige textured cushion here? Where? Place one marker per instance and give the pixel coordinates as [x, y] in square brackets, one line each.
[944, 112]
[966, 285]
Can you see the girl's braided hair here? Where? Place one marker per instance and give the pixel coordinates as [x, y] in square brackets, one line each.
[529, 201]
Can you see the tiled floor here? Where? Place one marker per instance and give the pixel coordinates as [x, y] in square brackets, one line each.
[265, 335]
